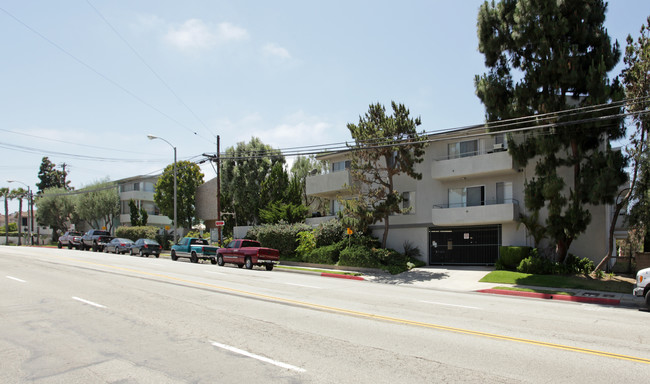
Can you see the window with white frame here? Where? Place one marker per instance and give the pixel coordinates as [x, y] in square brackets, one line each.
[504, 192]
[340, 166]
[408, 203]
[467, 196]
[463, 149]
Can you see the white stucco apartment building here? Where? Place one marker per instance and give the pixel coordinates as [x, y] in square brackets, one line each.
[467, 203]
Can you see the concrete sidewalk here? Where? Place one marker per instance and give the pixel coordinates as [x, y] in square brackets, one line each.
[466, 279]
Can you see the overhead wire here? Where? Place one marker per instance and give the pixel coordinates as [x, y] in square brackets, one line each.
[92, 69]
[135, 52]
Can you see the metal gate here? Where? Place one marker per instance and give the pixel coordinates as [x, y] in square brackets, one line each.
[475, 245]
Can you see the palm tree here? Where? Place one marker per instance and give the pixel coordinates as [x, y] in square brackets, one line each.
[19, 194]
[5, 193]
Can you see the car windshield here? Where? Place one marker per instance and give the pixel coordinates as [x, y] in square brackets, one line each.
[101, 233]
[75, 233]
[152, 242]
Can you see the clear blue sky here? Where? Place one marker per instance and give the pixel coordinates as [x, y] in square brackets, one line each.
[73, 86]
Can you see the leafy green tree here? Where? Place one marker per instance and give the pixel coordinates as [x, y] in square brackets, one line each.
[303, 167]
[545, 57]
[144, 217]
[281, 198]
[55, 208]
[636, 79]
[134, 214]
[385, 146]
[244, 169]
[51, 177]
[188, 178]
[99, 204]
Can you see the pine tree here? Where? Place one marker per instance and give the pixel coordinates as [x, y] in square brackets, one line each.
[545, 57]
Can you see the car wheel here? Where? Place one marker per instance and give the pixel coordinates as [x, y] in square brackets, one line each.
[194, 258]
[105, 249]
[80, 247]
[59, 245]
[647, 299]
[95, 248]
[269, 267]
[213, 261]
[70, 246]
[240, 265]
[157, 255]
[141, 253]
[220, 260]
[249, 263]
[174, 257]
[117, 251]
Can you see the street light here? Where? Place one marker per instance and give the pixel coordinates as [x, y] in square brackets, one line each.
[152, 137]
[30, 209]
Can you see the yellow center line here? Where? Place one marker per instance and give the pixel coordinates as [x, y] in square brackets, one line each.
[374, 316]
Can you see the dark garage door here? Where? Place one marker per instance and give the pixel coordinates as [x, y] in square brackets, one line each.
[476, 245]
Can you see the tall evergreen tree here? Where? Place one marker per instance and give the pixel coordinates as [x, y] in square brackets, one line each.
[51, 177]
[545, 57]
[384, 146]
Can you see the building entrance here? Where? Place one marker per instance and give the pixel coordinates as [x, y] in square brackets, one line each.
[472, 245]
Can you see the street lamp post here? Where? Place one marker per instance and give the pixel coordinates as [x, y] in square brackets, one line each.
[152, 137]
[30, 210]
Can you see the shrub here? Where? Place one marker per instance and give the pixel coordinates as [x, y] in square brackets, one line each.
[135, 233]
[281, 236]
[537, 265]
[329, 232]
[574, 265]
[358, 256]
[306, 243]
[511, 257]
[328, 254]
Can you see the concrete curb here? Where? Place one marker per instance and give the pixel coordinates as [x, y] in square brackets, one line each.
[339, 276]
[548, 296]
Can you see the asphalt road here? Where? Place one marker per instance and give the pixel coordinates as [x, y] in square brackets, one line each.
[84, 317]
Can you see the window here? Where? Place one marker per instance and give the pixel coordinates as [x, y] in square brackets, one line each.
[463, 149]
[340, 166]
[504, 192]
[136, 186]
[500, 142]
[337, 206]
[408, 203]
[466, 197]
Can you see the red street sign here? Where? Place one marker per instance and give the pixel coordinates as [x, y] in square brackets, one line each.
[219, 223]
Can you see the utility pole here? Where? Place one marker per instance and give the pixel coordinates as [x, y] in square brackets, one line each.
[219, 228]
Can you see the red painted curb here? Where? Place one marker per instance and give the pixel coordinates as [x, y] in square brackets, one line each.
[548, 296]
[339, 276]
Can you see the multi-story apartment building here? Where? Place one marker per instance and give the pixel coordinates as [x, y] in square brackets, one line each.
[140, 189]
[467, 204]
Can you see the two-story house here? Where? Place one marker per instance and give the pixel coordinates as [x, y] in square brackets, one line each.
[467, 204]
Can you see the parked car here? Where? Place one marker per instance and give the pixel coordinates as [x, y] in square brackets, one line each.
[70, 239]
[642, 288]
[118, 245]
[195, 249]
[95, 239]
[146, 247]
[248, 253]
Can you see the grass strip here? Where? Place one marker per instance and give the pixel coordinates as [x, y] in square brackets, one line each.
[545, 291]
[558, 281]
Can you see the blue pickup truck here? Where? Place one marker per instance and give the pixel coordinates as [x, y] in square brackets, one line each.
[194, 249]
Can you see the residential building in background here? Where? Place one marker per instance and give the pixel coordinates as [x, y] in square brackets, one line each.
[140, 189]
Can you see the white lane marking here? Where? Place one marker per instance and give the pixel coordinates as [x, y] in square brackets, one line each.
[302, 285]
[88, 302]
[449, 305]
[16, 279]
[257, 357]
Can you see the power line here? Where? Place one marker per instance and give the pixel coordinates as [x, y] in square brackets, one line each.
[125, 90]
[150, 68]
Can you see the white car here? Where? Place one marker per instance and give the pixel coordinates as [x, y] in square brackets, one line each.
[642, 288]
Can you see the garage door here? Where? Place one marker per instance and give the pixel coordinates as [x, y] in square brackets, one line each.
[475, 245]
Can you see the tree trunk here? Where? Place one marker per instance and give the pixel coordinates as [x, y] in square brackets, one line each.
[6, 221]
[20, 220]
[385, 236]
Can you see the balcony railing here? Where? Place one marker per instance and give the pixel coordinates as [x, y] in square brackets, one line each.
[483, 163]
[487, 212]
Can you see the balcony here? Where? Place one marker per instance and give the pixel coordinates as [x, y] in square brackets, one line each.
[490, 213]
[328, 185]
[498, 162]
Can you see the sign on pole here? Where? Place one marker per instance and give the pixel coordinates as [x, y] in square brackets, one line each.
[219, 223]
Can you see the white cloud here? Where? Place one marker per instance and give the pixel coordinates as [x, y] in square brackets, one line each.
[274, 50]
[196, 35]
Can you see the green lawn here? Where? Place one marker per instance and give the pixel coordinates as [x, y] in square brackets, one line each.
[559, 281]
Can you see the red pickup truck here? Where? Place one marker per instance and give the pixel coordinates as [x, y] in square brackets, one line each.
[248, 253]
